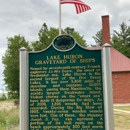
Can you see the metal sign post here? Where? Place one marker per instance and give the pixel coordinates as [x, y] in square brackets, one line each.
[23, 89]
[108, 94]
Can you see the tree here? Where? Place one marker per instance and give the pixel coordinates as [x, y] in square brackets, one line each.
[11, 63]
[121, 40]
[69, 31]
[46, 36]
[123, 35]
[98, 38]
[11, 57]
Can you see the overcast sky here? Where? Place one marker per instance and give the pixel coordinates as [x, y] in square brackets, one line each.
[25, 17]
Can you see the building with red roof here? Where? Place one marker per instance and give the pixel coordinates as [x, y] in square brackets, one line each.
[120, 77]
[120, 66]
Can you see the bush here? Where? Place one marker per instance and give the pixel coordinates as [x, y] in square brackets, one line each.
[3, 97]
[13, 95]
[8, 118]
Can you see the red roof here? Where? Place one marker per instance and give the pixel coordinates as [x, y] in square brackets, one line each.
[119, 62]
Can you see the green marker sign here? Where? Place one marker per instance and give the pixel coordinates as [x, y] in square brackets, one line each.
[66, 87]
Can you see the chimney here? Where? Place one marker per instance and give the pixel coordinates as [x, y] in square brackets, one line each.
[105, 29]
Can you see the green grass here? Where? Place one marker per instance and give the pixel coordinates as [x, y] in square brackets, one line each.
[122, 121]
[126, 108]
[8, 117]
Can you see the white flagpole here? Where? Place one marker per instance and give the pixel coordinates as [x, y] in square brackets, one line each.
[59, 18]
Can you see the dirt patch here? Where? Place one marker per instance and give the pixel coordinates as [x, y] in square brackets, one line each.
[7, 105]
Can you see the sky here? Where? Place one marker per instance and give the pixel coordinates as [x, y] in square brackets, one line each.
[25, 17]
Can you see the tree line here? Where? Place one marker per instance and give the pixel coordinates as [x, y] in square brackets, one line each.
[119, 40]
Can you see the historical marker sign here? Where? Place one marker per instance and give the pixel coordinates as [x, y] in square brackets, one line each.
[65, 88]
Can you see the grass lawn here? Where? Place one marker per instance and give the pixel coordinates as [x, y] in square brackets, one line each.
[9, 115]
[121, 121]
[126, 108]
